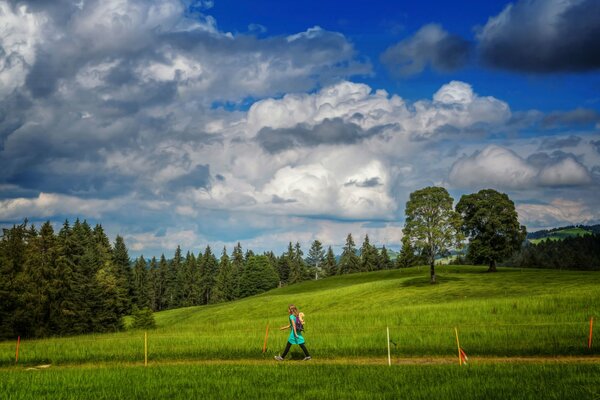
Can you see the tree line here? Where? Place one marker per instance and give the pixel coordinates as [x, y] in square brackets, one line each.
[574, 253]
[75, 281]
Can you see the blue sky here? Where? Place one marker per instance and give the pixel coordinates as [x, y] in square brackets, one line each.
[211, 122]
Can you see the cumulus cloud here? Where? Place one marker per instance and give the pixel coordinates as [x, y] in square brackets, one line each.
[556, 212]
[494, 165]
[48, 205]
[431, 45]
[455, 107]
[543, 36]
[501, 167]
[567, 172]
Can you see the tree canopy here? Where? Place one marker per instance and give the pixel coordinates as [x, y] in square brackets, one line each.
[432, 227]
[491, 224]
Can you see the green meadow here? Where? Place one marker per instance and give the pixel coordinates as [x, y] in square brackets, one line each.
[562, 234]
[511, 313]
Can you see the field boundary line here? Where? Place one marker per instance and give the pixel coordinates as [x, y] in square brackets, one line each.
[431, 360]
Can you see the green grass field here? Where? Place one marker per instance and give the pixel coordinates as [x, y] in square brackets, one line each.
[524, 313]
[562, 234]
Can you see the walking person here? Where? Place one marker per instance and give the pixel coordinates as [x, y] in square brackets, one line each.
[296, 328]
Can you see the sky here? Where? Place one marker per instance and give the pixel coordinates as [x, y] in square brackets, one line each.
[195, 123]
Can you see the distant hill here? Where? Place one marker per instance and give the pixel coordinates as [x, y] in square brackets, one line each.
[562, 233]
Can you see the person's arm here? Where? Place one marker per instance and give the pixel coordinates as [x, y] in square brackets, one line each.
[294, 326]
[285, 326]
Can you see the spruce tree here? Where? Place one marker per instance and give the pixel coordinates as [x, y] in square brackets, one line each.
[349, 261]
[122, 263]
[258, 277]
[154, 284]
[209, 275]
[224, 282]
[384, 259]
[237, 269]
[161, 284]
[368, 256]
[141, 286]
[172, 290]
[330, 264]
[316, 257]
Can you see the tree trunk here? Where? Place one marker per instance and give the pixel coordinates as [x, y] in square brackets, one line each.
[492, 266]
[432, 265]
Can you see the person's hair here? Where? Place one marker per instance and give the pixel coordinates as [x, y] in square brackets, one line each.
[293, 309]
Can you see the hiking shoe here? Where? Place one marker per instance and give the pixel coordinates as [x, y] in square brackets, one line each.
[307, 358]
[278, 358]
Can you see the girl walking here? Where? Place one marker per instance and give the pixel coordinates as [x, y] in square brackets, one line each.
[295, 334]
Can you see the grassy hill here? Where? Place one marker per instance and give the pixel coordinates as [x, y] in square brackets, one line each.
[559, 234]
[512, 312]
[216, 351]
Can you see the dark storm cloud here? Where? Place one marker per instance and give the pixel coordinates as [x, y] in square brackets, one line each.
[431, 45]
[560, 143]
[330, 131]
[579, 116]
[543, 36]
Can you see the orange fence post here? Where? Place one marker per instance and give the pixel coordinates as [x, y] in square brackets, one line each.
[591, 330]
[266, 338]
[17, 353]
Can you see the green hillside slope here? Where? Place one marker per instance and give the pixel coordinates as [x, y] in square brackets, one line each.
[561, 234]
[512, 312]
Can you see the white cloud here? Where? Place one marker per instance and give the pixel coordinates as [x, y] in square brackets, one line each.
[494, 165]
[567, 172]
[20, 33]
[455, 105]
[49, 204]
[502, 167]
[558, 211]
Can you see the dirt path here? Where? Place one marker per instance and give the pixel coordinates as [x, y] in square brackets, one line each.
[333, 361]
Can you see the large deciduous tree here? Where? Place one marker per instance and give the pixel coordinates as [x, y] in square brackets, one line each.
[432, 226]
[491, 223]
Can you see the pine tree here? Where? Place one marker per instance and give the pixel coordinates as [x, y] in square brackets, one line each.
[172, 290]
[224, 283]
[188, 280]
[258, 277]
[13, 254]
[237, 269]
[330, 264]
[368, 256]
[141, 286]
[316, 257]
[349, 261]
[384, 259]
[154, 284]
[209, 274]
[407, 257]
[63, 313]
[161, 284]
[122, 263]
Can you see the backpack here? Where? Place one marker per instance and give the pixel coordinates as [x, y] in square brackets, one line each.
[299, 325]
